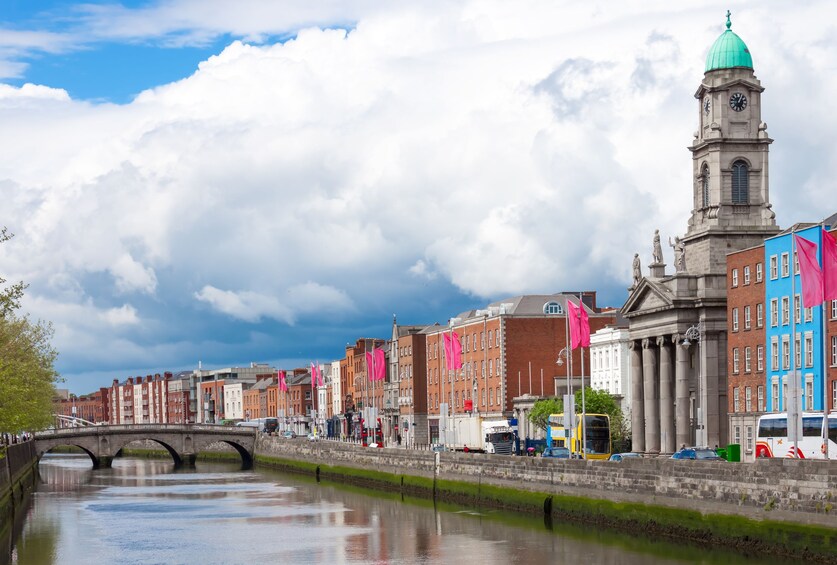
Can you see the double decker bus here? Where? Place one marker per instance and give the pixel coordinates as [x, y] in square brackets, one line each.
[773, 441]
[598, 436]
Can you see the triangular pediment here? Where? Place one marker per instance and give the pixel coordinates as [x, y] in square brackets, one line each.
[750, 85]
[646, 297]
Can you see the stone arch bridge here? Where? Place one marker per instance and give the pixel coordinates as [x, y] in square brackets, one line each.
[183, 442]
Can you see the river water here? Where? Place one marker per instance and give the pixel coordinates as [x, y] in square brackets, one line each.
[145, 511]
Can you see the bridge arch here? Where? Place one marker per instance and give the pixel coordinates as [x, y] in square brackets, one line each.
[117, 446]
[243, 452]
[93, 458]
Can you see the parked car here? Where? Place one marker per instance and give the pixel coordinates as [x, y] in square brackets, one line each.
[697, 453]
[623, 456]
[290, 434]
[556, 452]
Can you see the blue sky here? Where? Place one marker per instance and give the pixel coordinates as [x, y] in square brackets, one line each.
[267, 181]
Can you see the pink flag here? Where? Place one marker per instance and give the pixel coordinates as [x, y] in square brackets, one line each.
[370, 365]
[829, 266]
[809, 272]
[315, 376]
[579, 325]
[283, 385]
[448, 354]
[456, 351]
[380, 365]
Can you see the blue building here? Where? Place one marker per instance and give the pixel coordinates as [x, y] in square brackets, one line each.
[793, 333]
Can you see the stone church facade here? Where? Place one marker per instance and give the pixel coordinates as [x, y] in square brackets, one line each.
[678, 320]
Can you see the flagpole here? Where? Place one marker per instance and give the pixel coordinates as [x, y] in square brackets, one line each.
[824, 327]
[583, 400]
[792, 316]
[530, 377]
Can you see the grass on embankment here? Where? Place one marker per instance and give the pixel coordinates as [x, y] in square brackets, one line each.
[809, 542]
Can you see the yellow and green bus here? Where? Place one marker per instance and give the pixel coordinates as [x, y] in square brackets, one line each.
[598, 436]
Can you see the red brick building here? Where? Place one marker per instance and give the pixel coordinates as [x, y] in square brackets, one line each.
[746, 345]
[92, 407]
[140, 401]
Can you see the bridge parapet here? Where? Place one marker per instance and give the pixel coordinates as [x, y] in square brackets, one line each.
[182, 441]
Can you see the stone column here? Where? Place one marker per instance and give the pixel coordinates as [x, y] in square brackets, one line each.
[637, 406]
[682, 419]
[666, 396]
[652, 412]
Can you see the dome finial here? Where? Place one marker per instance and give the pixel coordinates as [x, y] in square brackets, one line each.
[729, 23]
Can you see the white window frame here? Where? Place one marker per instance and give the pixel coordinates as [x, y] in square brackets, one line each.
[746, 274]
[759, 315]
[809, 349]
[747, 318]
[774, 268]
[748, 354]
[749, 439]
[785, 352]
[774, 353]
[759, 272]
[797, 305]
[760, 392]
[735, 404]
[834, 353]
[735, 319]
[734, 278]
[759, 358]
[785, 311]
[785, 265]
[735, 361]
[748, 399]
[774, 312]
[834, 309]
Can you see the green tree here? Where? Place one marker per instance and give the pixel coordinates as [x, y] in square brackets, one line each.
[27, 373]
[539, 415]
[597, 402]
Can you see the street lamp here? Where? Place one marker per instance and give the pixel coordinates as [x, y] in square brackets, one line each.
[695, 334]
[564, 354]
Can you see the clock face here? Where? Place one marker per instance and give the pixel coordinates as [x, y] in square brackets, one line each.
[706, 105]
[737, 101]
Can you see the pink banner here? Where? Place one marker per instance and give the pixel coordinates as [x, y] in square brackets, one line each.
[579, 325]
[456, 351]
[380, 365]
[829, 266]
[370, 365]
[809, 272]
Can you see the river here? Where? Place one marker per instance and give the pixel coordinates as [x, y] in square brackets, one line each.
[145, 511]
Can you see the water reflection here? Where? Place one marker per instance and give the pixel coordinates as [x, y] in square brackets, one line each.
[145, 511]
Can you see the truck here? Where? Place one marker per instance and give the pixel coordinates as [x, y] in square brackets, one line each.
[480, 435]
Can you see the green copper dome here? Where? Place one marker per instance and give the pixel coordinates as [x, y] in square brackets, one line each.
[728, 51]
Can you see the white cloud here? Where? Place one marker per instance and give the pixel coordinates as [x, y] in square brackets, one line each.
[506, 148]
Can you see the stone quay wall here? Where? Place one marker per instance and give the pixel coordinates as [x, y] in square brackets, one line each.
[776, 489]
[16, 473]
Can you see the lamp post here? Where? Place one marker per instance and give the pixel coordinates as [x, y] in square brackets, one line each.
[695, 333]
[564, 354]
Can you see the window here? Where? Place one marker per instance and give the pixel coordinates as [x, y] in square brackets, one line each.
[489, 338]
[499, 397]
[759, 314]
[795, 262]
[834, 352]
[483, 397]
[809, 314]
[785, 352]
[491, 367]
[796, 305]
[758, 272]
[797, 351]
[774, 312]
[774, 354]
[809, 393]
[785, 265]
[747, 274]
[774, 271]
[482, 340]
[785, 311]
[747, 358]
[809, 349]
[834, 309]
[468, 342]
[761, 398]
[735, 362]
[746, 317]
[737, 435]
[704, 186]
[735, 401]
[735, 277]
[735, 319]
[748, 399]
[775, 396]
[553, 308]
[833, 396]
[740, 183]
[749, 439]
[497, 338]
[760, 358]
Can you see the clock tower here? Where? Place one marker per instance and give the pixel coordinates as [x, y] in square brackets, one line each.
[731, 204]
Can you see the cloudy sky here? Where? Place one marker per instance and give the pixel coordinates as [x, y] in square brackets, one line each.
[266, 181]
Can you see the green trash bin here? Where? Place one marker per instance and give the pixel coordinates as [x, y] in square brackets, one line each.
[734, 452]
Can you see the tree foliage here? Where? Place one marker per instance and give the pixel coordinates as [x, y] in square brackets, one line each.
[9, 296]
[27, 373]
[597, 402]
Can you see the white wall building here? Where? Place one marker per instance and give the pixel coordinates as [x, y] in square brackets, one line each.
[234, 401]
[610, 367]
